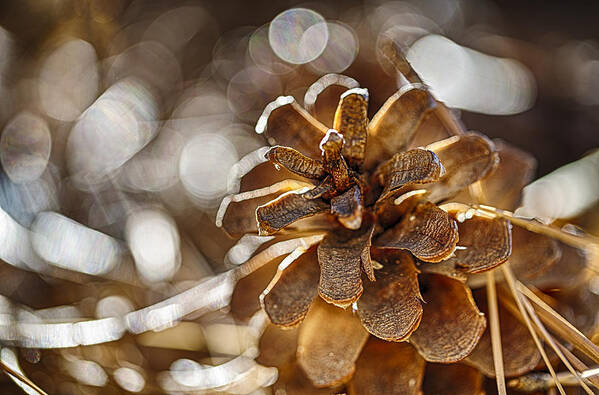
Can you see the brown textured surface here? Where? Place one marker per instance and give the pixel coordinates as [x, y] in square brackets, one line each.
[334, 163]
[387, 368]
[296, 162]
[426, 231]
[325, 189]
[488, 243]
[532, 254]
[390, 308]
[340, 255]
[288, 296]
[367, 264]
[329, 343]
[351, 120]
[285, 210]
[451, 323]
[348, 208]
[292, 126]
[452, 379]
[394, 125]
[240, 217]
[466, 159]
[520, 354]
[389, 214]
[413, 166]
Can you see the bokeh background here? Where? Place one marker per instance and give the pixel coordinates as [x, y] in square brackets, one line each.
[120, 123]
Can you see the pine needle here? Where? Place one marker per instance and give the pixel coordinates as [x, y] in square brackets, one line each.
[549, 339]
[567, 379]
[587, 243]
[561, 326]
[495, 334]
[518, 298]
[579, 365]
[8, 370]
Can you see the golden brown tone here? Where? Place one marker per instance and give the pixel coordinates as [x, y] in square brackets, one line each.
[396, 259]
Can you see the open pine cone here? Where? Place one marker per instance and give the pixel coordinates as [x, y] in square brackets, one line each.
[368, 219]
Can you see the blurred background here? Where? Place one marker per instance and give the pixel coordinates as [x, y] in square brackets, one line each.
[121, 121]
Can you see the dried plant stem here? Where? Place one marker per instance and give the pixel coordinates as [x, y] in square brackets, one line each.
[549, 339]
[563, 353]
[568, 379]
[561, 326]
[589, 244]
[535, 382]
[518, 298]
[579, 365]
[495, 334]
[477, 192]
[22, 378]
